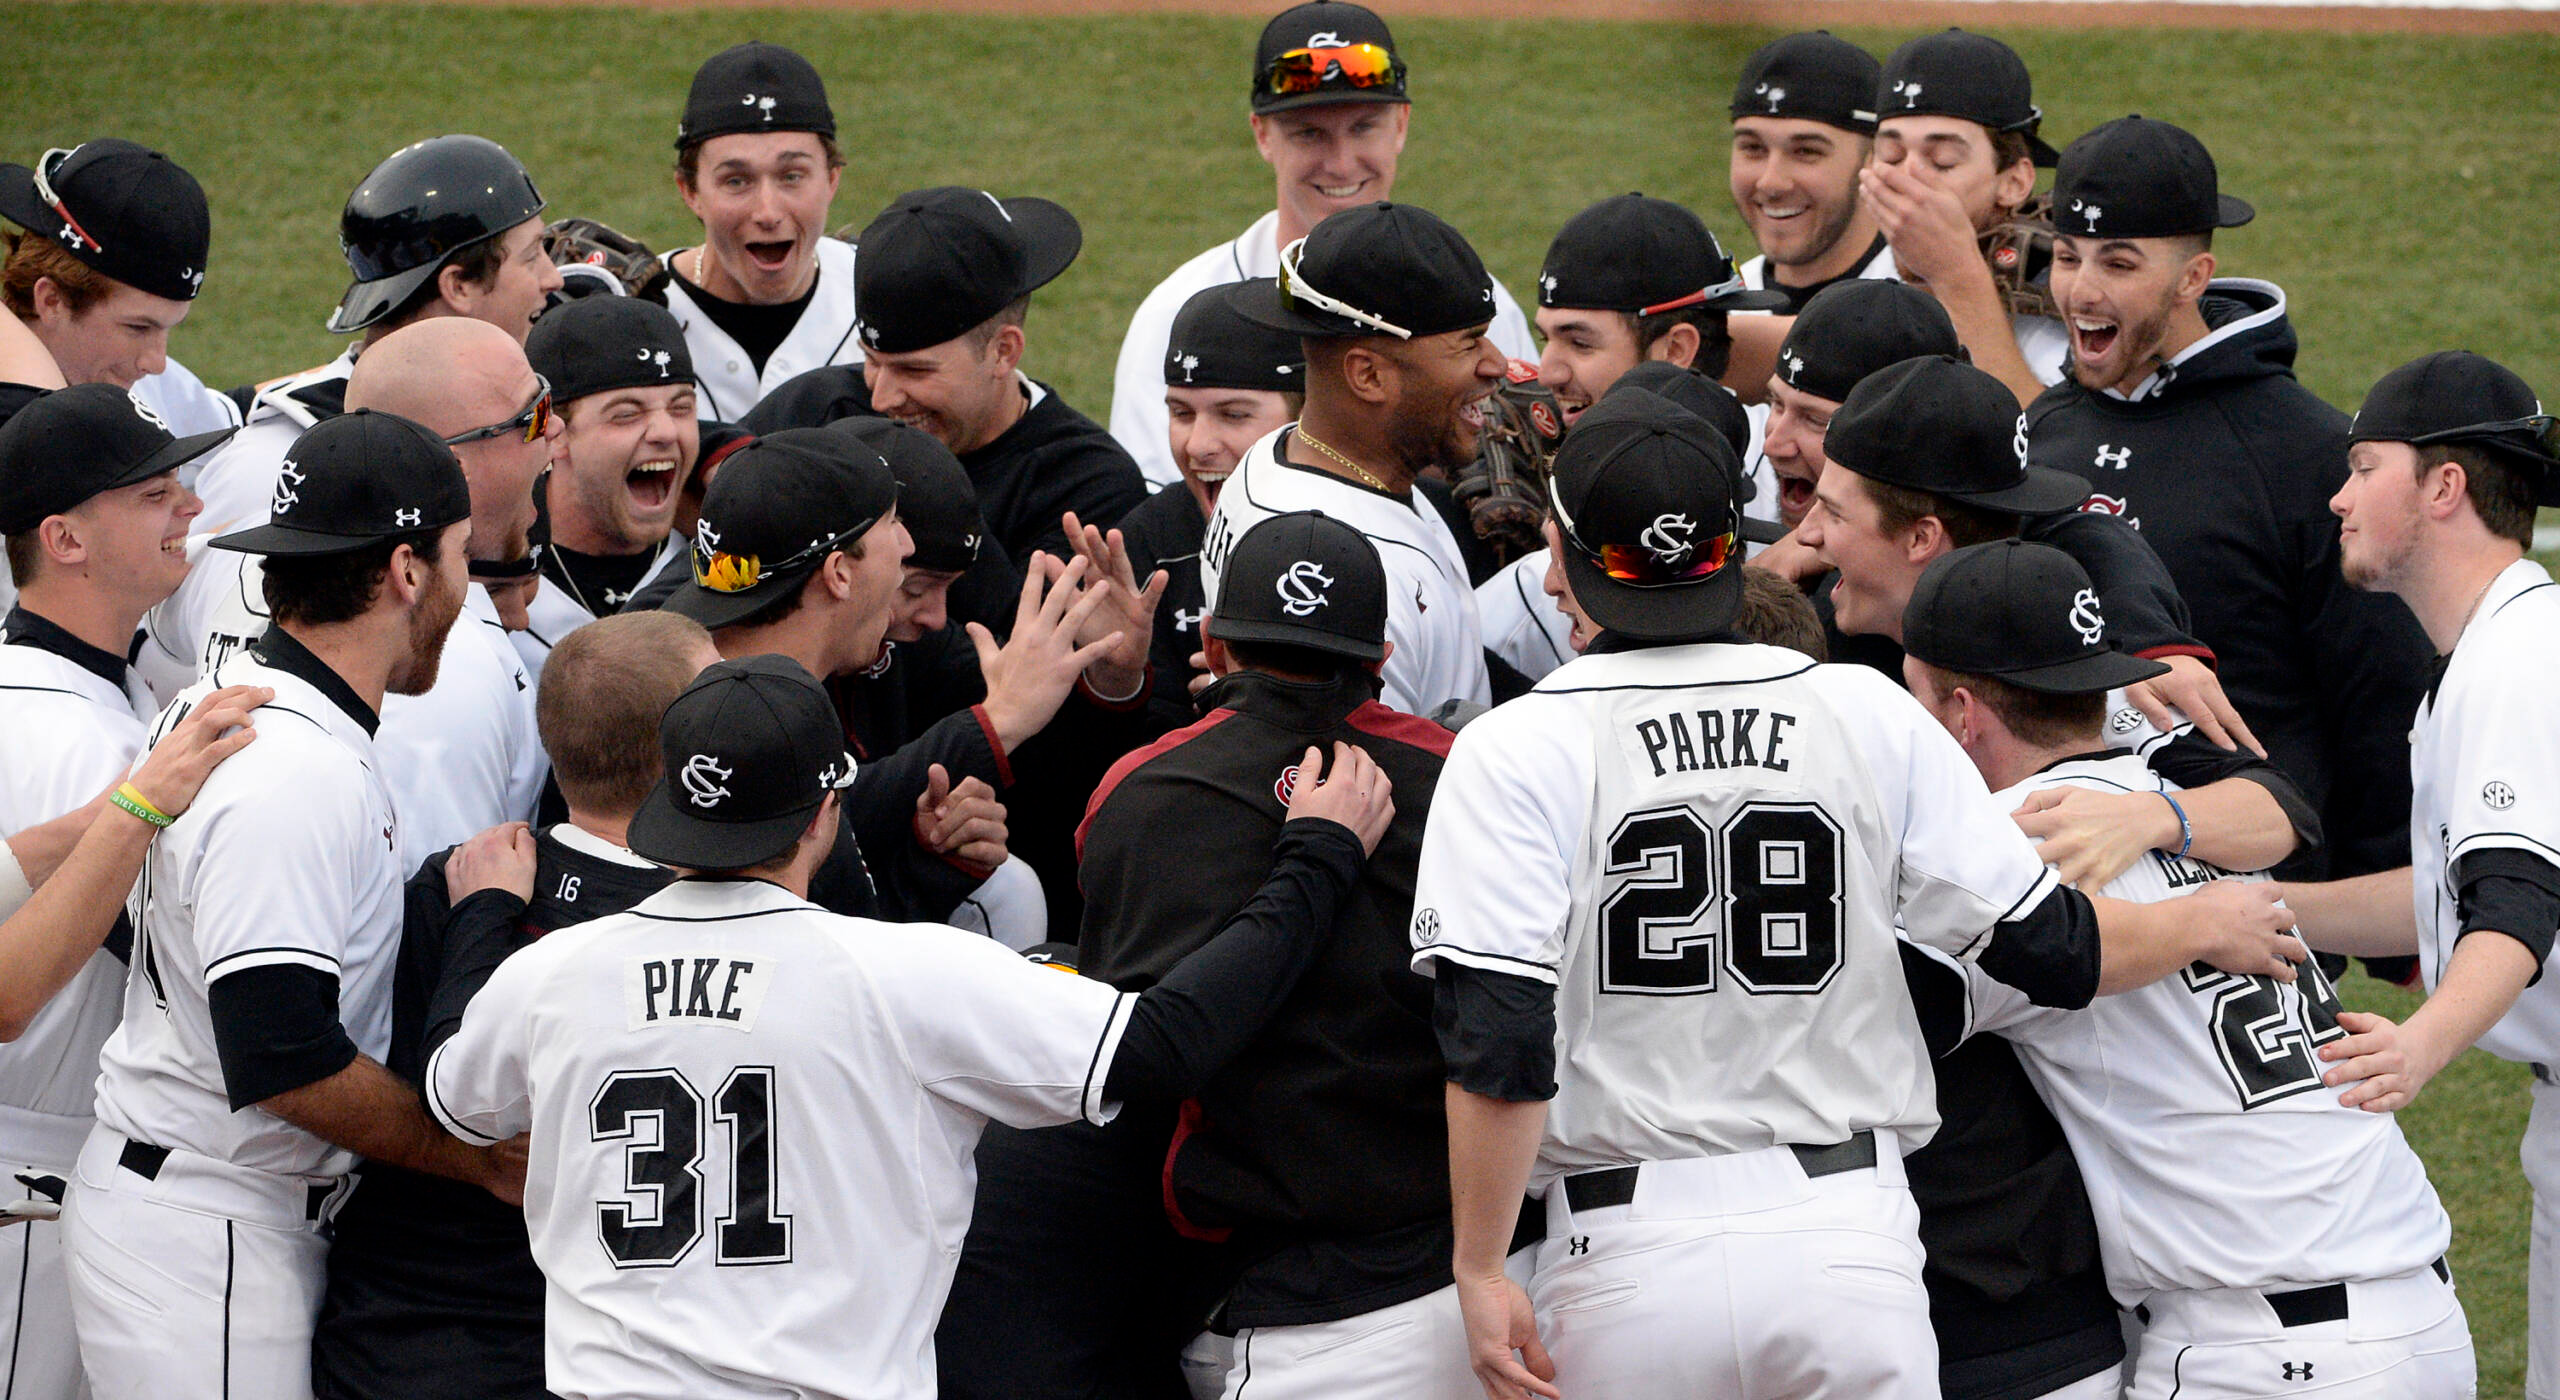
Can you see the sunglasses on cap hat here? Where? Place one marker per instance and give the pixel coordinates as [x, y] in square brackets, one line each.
[2542, 428]
[71, 229]
[533, 420]
[723, 572]
[1357, 65]
[1294, 287]
[1644, 565]
[1701, 297]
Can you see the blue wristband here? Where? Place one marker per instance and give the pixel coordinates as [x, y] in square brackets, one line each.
[2186, 829]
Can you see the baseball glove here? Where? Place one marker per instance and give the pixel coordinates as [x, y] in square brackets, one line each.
[2020, 251]
[584, 243]
[1504, 490]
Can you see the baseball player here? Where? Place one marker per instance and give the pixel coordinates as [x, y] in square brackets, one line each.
[751, 1120]
[1393, 307]
[1956, 155]
[767, 295]
[432, 1288]
[1804, 123]
[1329, 117]
[2451, 455]
[2326, 1275]
[446, 227]
[1678, 840]
[246, 1078]
[622, 384]
[96, 524]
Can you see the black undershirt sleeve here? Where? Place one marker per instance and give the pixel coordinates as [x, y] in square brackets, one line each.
[2192, 761]
[276, 1029]
[1497, 1032]
[2050, 952]
[1188, 1027]
[2517, 893]
[479, 933]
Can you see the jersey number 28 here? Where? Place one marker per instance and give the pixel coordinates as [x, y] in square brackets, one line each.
[1756, 897]
[660, 1221]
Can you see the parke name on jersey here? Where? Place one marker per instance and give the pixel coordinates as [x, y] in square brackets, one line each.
[1695, 741]
[700, 991]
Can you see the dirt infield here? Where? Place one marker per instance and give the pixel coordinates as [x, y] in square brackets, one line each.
[1773, 14]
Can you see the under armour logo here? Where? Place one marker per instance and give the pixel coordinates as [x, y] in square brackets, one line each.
[703, 778]
[660, 358]
[2088, 213]
[1579, 1244]
[145, 411]
[1325, 39]
[2018, 442]
[286, 496]
[1910, 92]
[2498, 796]
[1774, 95]
[2114, 457]
[72, 236]
[2297, 1370]
[1184, 619]
[1188, 363]
[2085, 618]
[1667, 538]
[1298, 588]
[404, 518]
[761, 104]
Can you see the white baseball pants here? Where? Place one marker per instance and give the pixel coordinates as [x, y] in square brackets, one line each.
[2403, 1338]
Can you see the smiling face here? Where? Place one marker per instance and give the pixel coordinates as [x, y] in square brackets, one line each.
[762, 197]
[131, 541]
[962, 391]
[1560, 588]
[1441, 385]
[924, 603]
[1959, 156]
[525, 280]
[120, 338]
[1585, 353]
[1210, 430]
[624, 451]
[1791, 440]
[872, 593]
[1795, 183]
[1845, 528]
[2120, 298]
[1331, 158]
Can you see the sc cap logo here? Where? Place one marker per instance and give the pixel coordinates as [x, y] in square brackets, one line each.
[704, 780]
[1302, 588]
[2085, 618]
[145, 411]
[286, 497]
[1667, 538]
[2018, 442]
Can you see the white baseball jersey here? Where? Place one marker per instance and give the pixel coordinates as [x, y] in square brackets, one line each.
[1431, 606]
[2485, 767]
[753, 1132]
[1706, 848]
[1755, 272]
[1522, 625]
[466, 755]
[2214, 1155]
[2045, 344]
[725, 375]
[1138, 417]
[76, 734]
[289, 855]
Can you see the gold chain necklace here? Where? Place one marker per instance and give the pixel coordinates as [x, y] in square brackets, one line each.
[1357, 470]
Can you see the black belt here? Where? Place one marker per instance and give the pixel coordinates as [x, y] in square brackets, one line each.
[145, 1161]
[2544, 1073]
[2302, 1307]
[1616, 1186]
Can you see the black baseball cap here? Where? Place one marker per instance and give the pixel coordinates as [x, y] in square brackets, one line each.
[2457, 396]
[126, 211]
[1852, 329]
[1696, 393]
[597, 344]
[1648, 498]
[936, 500]
[751, 748]
[1939, 425]
[2024, 613]
[1634, 253]
[1308, 580]
[1214, 345]
[777, 509]
[1971, 76]
[1811, 77]
[355, 480]
[1335, 51]
[75, 443]
[1378, 269]
[2136, 178]
[939, 262]
[754, 87]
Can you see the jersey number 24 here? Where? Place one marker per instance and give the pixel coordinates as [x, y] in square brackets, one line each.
[1755, 897]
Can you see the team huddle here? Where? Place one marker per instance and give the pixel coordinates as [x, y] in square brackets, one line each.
[679, 825]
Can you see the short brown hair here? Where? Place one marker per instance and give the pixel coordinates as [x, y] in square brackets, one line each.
[315, 590]
[33, 256]
[689, 156]
[604, 689]
[2035, 717]
[2502, 494]
[26, 551]
[479, 264]
[1776, 613]
[1901, 508]
[1715, 339]
[983, 334]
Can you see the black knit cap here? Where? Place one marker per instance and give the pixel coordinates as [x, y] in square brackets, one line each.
[1316, 27]
[1852, 329]
[1969, 76]
[1939, 425]
[1394, 265]
[754, 87]
[1631, 252]
[2136, 178]
[124, 210]
[2457, 396]
[937, 263]
[2023, 613]
[1216, 346]
[1811, 77]
[597, 344]
[750, 750]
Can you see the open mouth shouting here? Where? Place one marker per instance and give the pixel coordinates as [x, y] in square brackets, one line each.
[2093, 338]
[1795, 496]
[652, 486]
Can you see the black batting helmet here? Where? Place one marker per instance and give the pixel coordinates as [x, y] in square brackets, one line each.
[417, 209]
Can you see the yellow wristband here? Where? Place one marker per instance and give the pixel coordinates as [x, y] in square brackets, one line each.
[131, 799]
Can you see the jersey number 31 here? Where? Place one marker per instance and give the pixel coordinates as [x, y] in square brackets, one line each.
[1756, 897]
[662, 1219]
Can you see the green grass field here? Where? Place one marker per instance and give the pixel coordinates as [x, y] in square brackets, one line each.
[2403, 185]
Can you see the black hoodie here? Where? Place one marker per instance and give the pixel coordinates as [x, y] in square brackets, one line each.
[2226, 464]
